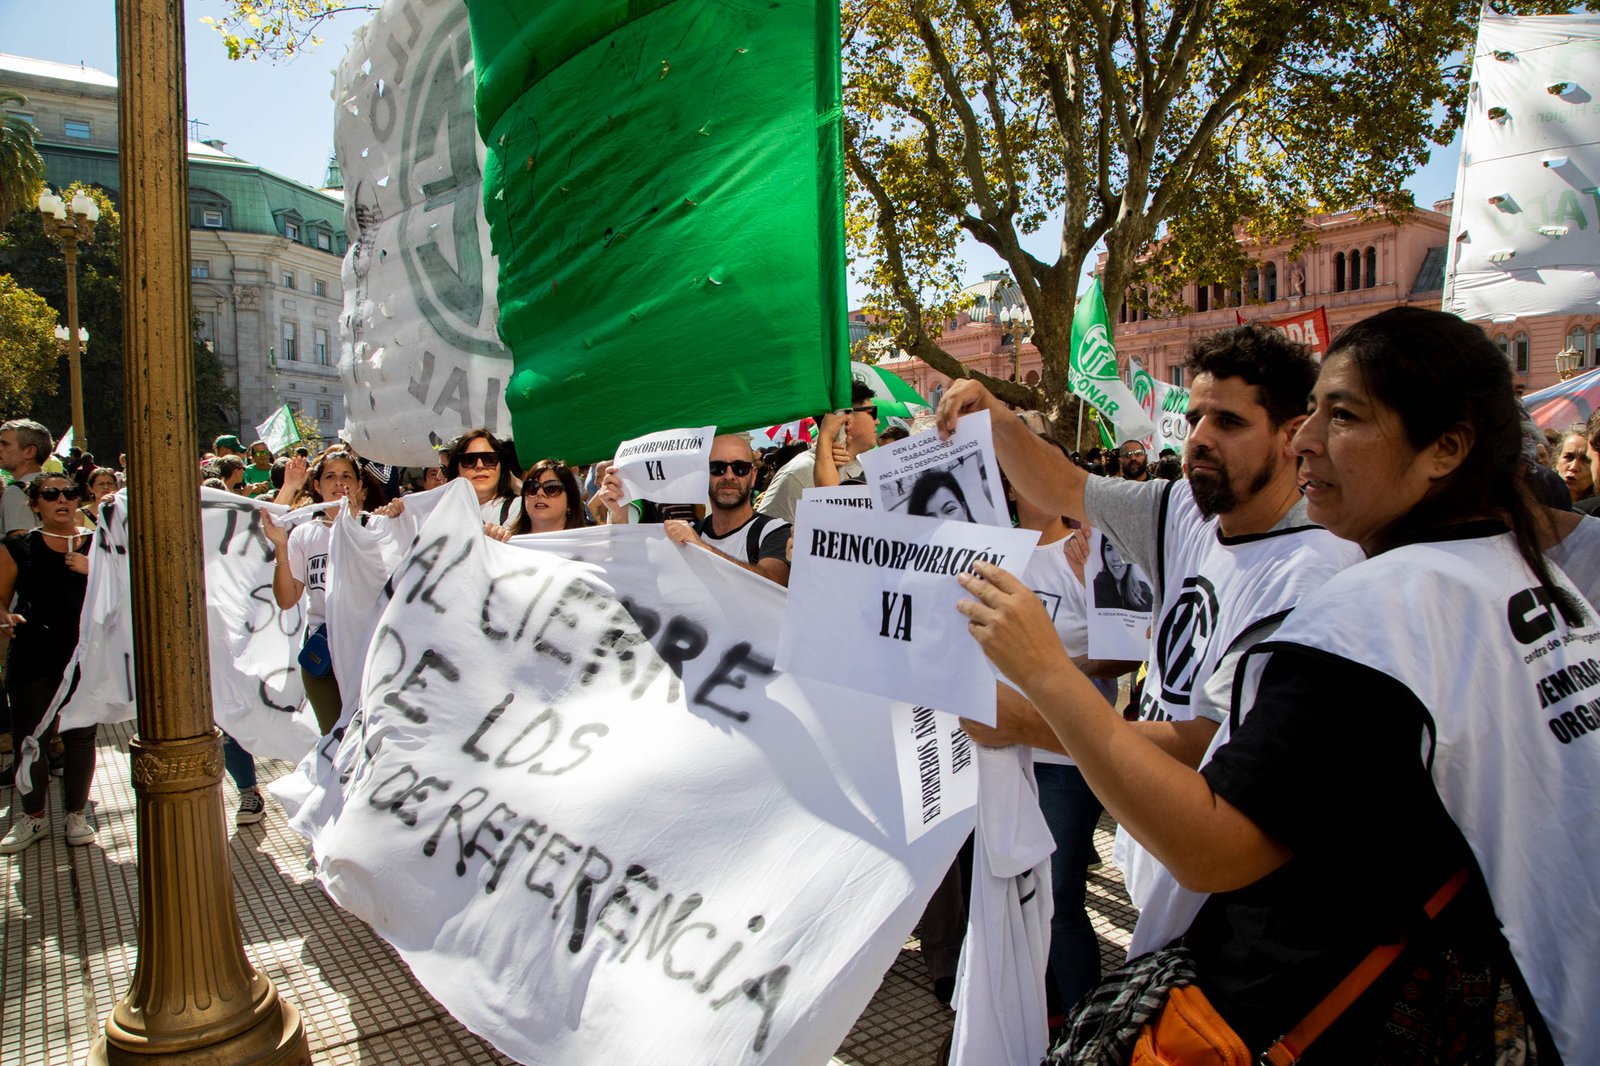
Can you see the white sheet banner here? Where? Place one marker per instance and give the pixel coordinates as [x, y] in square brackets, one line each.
[956, 479]
[596, 821]
[872, 604]
[934, 757]
[666, 467]
[419, 354]
[256, 693]
[1121, 599]
[1525, 228]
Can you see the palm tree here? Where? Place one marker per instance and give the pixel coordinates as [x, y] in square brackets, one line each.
[21, 165]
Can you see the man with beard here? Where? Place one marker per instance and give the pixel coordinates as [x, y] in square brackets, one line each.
[1230, 550]
[1135, 463]
[731, 528]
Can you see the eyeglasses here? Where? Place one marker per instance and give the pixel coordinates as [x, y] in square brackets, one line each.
[551, 489]
[740, 467]
[52, 495]
[869, 409]
[472, 459]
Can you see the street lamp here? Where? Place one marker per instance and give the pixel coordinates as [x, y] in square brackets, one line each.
[1567, 362]
[68, 224]
[1015, 319]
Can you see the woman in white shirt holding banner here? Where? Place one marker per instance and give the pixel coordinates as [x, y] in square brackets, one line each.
[1421, 737]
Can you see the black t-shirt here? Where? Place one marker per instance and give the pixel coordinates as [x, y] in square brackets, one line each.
[1331, 763]
[50, 597]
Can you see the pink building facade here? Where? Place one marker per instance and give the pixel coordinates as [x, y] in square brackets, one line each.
[1356, 268]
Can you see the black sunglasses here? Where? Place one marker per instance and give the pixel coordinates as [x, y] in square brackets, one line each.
[868, 409]
[470, 459]
[740, 467]
[52, 495]
[551, 489]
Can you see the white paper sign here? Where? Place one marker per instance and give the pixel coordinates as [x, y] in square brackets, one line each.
[1121, 599]
[596, 821]
[956, 479]
[666, 467]
[872, 604]
[934, 757]
[858, 496]
[256, 693]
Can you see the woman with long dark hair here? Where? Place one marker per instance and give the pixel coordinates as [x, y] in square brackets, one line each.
[1409, 760]
[551, 500]
[47, 570]
[486, 462]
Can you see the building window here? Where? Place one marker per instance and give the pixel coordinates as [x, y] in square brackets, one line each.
[1577, 340]
[319, 287]
[319, 341]
[1175, 375]
[1519, 352]
[1252, 284]
[294, 405]
[199, 268]
[1202, 297]
[1372, 268]
[26, 116]
[291, 230]
[76, 129]
[1338, 271]
[324, 411]
[290, 351]
[1503, 344]
[288, 279]
[325, 240]
[211, 218]
[1594, 345]
[1269, 282]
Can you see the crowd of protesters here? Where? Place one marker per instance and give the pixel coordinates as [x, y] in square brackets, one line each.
[1399, 480]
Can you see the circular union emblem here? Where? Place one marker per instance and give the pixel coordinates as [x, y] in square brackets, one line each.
[1185, 637]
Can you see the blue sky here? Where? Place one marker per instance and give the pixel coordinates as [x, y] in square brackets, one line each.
[281, 115]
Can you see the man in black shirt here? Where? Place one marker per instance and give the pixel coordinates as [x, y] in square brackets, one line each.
[731, 528]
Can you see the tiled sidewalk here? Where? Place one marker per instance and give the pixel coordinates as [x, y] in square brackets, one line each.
[68, 936]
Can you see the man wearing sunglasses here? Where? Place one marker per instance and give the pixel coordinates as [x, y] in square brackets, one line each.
[800, 473]
[24, 446]
[731, 528]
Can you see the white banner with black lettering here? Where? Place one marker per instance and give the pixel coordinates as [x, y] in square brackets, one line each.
[597, 822]
[933, 754]
[256, 693]
[666, 467]
[1121, 600]
[858, 496]
[872, 604]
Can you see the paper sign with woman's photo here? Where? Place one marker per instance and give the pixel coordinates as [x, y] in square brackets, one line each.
[1120, 602]
[956, 479]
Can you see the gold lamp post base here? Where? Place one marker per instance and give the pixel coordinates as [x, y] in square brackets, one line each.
[278, 1040]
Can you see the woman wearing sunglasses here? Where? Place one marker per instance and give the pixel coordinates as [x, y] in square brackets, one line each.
[480, 457]
[551, 500]
[47, 570]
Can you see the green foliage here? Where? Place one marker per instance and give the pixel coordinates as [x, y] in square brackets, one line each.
[35, 260]
[1159, 132]
[27, 349]
[275, 29]
[21, 165]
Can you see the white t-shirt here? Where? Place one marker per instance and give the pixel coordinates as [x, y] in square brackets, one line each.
[502, 510]
[308, 564]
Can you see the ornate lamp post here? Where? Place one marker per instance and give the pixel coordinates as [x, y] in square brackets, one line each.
[69, 225]
[1567, 362]
[194, 997]
[1014, 320]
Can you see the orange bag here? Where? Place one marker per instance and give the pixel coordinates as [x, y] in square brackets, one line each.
[1189, 1032]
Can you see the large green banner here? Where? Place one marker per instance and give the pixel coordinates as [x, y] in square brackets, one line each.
[665, 191]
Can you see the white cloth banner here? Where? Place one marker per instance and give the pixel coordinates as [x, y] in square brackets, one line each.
[1001, 1018]
[1121, 599]
[956, 479]
[1525, 228]
[933, 754]
[666, 467]
[596, 821]
[419, 353]
[872, 605]
[256, 693]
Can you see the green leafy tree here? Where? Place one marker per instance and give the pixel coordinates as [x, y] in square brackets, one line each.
[27, 349]
[1160, 131]
[21, 165]
[275, 29]
[35, 260]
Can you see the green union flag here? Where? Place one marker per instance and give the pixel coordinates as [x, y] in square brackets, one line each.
[1092, 370]
[665, 190]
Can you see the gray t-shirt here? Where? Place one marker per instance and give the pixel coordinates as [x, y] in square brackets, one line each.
[15, 513]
